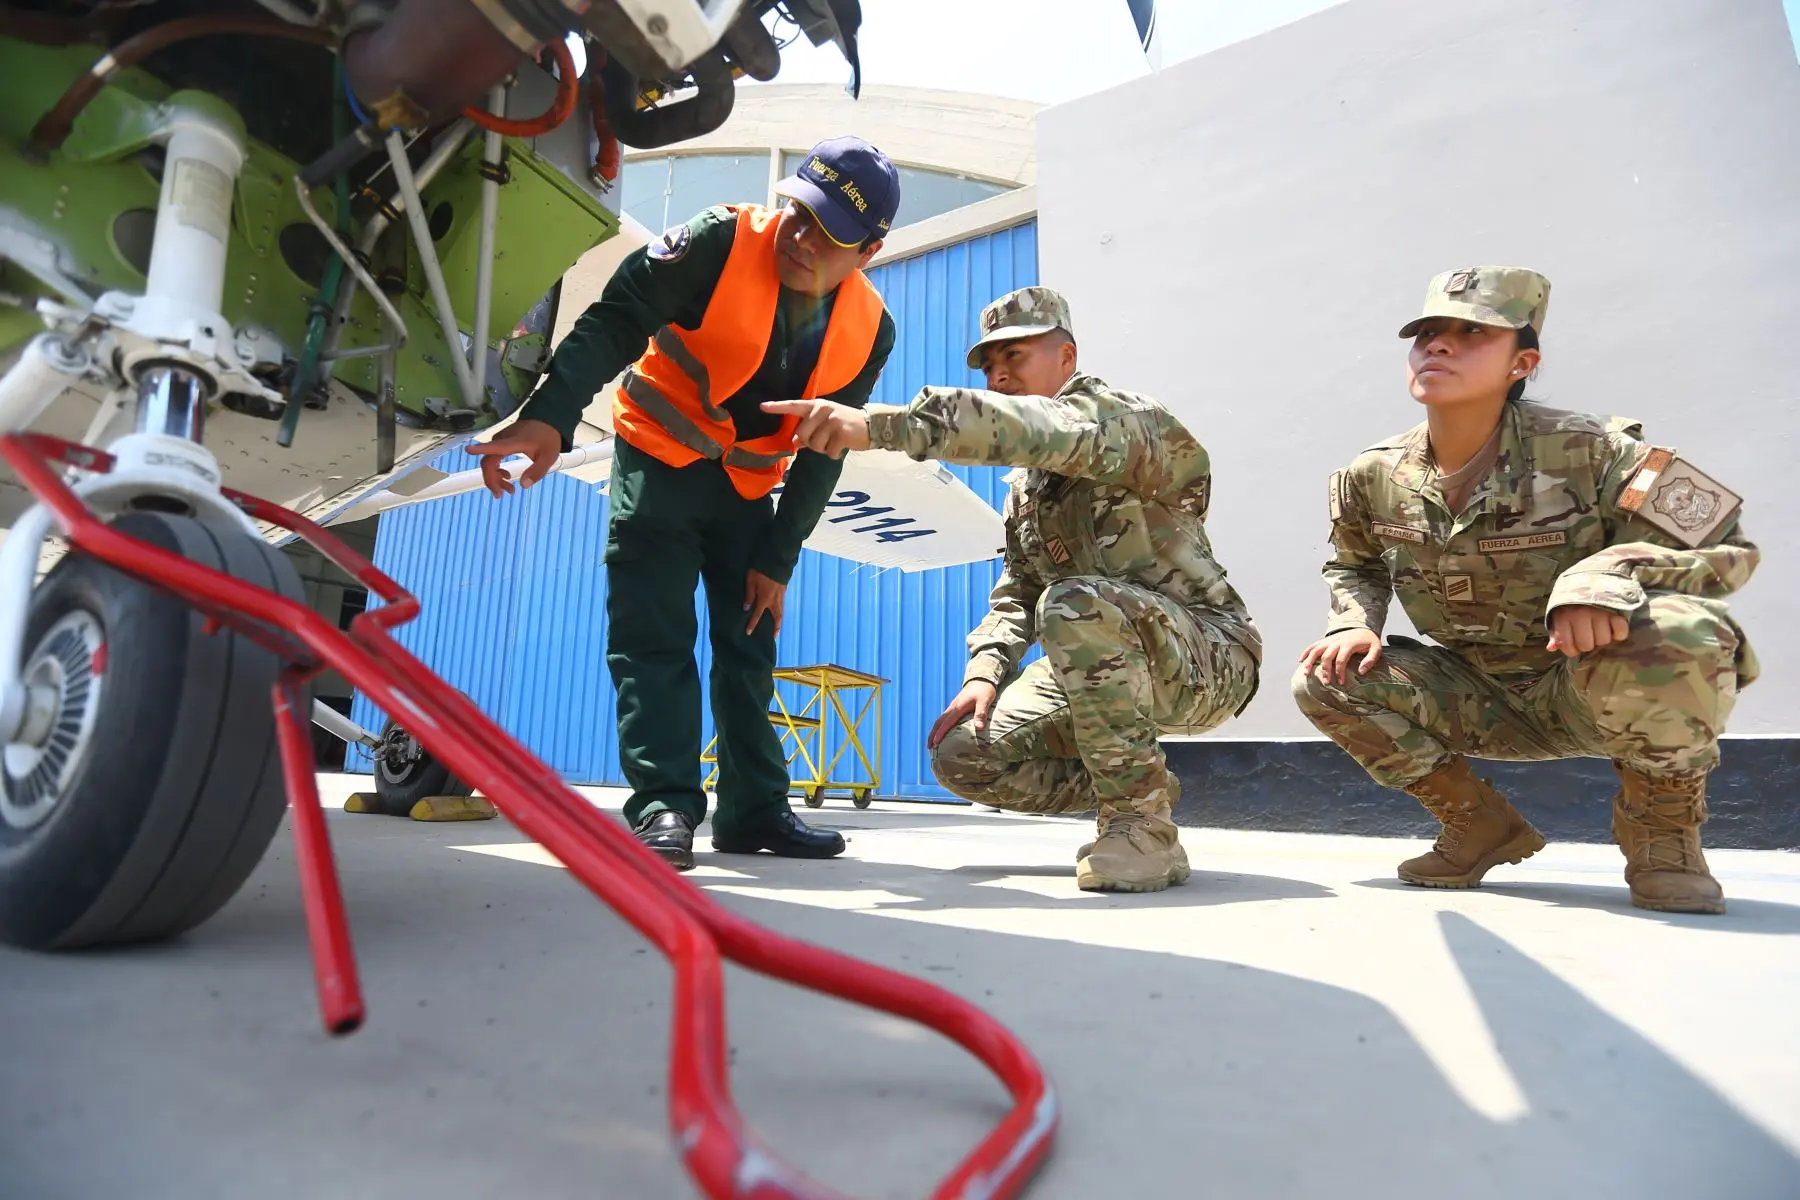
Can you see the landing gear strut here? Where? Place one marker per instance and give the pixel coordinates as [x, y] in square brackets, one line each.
[141, 779]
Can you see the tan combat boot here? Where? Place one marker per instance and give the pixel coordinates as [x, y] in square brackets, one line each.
[1106, 810]
[1657, 824]
[1135, 852]
[1481, 830]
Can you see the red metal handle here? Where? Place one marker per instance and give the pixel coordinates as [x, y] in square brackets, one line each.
[686, 925]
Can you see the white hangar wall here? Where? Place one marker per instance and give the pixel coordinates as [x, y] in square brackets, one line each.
[1242, 234]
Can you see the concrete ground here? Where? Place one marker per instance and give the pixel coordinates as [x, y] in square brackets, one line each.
[1290, 1024]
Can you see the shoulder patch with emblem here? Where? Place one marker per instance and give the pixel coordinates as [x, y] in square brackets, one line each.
[672, 245]
[1678, 498]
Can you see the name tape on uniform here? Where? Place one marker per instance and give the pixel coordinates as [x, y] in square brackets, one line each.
[1678, 498]
[1523, 541]
[1399, 533]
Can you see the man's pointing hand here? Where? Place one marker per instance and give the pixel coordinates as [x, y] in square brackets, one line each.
[825, 426]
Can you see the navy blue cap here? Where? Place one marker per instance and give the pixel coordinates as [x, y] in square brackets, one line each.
[849, 186]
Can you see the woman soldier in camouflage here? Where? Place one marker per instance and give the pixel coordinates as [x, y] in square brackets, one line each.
[1573, 577]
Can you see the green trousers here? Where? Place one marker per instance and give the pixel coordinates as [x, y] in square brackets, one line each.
[668, 530]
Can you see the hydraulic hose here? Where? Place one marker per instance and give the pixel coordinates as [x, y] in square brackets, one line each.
[606, 149]
[307, 369]
[53, 128]
[562, 107]
[692, 117]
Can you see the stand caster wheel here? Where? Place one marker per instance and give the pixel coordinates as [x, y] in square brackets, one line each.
[146, 784]
[406, 776]
[814, 797]
[861, 797]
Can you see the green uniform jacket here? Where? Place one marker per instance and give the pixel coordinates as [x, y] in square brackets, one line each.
[670, 282]
[1110, 485]
[1543, 530]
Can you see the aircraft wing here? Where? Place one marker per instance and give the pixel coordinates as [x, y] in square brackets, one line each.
[888, 511]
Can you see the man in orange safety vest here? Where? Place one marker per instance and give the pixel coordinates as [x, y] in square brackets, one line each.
[741, 305]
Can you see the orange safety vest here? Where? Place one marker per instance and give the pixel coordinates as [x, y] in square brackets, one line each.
[665, 405]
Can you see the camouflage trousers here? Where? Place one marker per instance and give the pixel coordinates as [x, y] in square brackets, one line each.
[1656, 702]
[1077, 730]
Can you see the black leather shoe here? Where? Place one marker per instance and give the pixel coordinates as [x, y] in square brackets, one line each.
[785, 835]
[671, 836]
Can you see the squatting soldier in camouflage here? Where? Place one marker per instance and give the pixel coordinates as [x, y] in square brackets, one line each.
[1574, 577]
[1107, 566]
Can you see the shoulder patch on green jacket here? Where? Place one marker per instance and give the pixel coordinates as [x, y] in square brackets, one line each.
[672, 246]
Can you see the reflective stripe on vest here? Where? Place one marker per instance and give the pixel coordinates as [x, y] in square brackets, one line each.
[663, 411]
[737, 456]
[666, 403]
[693, 368]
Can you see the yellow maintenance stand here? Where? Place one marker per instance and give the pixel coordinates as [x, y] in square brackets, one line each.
[825, 686]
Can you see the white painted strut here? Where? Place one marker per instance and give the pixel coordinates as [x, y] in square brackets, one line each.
[193, 216]
[341, 727]
[48, 366]
[469, 481]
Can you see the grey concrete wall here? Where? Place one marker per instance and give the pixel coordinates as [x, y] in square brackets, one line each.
[1243, 234]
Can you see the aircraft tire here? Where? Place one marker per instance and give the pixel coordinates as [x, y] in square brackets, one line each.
[397, 789]
[160, 786]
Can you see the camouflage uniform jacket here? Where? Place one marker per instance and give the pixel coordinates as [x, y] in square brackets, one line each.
[1109, 484]
[1543, 530]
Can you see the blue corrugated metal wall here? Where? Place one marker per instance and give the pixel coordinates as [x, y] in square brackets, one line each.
[514, 593]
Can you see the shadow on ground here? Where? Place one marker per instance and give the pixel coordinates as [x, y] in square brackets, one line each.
[518, 1034]
[1740, 915]
[992, 885]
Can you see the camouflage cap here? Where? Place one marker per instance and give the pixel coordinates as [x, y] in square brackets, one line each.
[1512, 297]
[1021, 314]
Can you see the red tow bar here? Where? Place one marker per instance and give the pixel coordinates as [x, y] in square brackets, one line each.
[686, 925]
